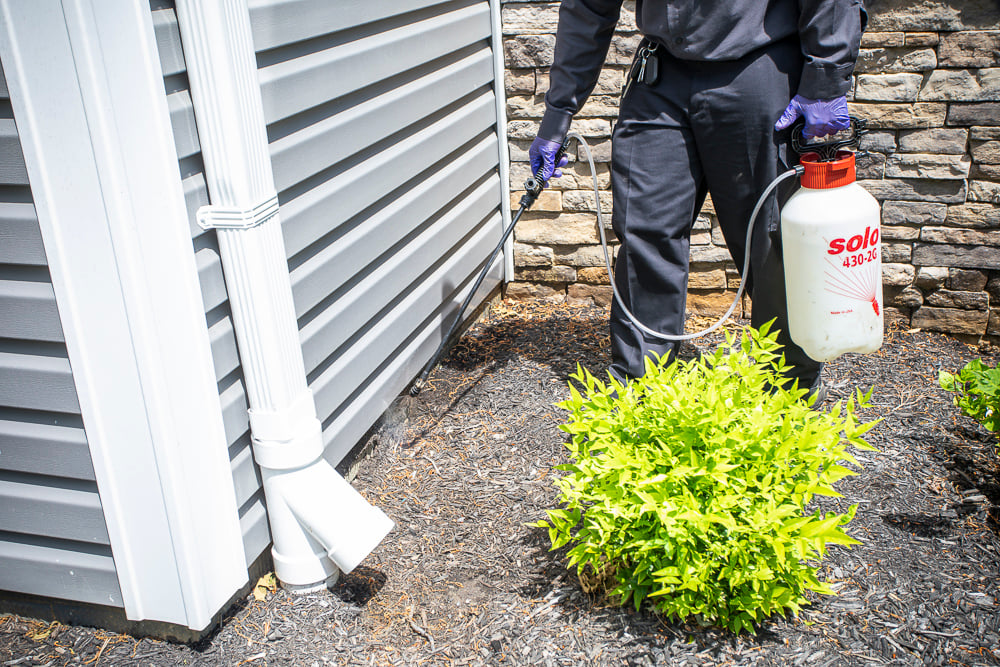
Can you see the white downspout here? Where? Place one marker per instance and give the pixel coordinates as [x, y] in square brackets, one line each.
[317, 519]
[500, 93]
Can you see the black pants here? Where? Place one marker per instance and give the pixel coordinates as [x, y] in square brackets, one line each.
[702, 127]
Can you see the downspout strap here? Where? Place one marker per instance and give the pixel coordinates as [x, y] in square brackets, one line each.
[219, 217]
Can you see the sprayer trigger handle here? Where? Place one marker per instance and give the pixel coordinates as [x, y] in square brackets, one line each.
[534, 183]
[562, 150]
[828, 147]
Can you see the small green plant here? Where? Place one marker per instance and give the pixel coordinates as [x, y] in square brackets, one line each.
[977, 389]
[687, 487]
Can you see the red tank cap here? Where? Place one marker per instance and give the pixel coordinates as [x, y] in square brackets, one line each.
[823, 175]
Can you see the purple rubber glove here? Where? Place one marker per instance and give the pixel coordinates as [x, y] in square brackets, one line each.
[823, 117]
[542, 155]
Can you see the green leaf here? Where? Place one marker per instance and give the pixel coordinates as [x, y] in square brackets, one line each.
[977, 393]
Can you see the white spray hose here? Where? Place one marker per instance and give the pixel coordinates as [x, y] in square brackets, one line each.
[746, 255]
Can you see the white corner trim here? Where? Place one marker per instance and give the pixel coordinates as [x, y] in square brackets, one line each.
[92, 114]
[500, 91]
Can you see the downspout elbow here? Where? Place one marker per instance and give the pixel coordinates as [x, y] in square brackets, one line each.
[331, 512]
[319, 522]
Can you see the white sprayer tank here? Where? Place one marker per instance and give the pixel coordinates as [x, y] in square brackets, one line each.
[833, 268]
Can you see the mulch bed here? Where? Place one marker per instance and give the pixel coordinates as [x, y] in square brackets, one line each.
[463, 581]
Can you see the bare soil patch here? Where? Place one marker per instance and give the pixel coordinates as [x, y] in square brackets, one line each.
[463, 581]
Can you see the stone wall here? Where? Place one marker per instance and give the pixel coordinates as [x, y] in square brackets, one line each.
[928, 83]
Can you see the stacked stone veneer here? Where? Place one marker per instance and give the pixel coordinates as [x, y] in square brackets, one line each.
[928, 83]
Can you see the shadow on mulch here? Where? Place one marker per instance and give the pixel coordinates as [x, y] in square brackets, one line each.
[550, 564]
[924, 525]
[966, 452]
[553, 337]
[360, 586]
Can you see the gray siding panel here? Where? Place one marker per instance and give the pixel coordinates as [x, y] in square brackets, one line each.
[168, 42]
[351, 421]
[245, 471]
[44, 444]
[360, 244]
[29, 311]
[12, 169]
[213, 283]
[20, 238]
[309, 151]
[307, 217]
[235, 417]
[280, 22]
[327, 331]
[37, 382]
[183, 124]
[70, 513]
[225, 355]
[53, 535]
[60, 570]
[253, 523]
[354, 365]
[292, 86]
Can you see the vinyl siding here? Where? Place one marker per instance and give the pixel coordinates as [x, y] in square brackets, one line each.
[382, 127]
[53, 535]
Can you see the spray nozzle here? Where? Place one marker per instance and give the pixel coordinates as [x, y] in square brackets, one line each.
[828, 147]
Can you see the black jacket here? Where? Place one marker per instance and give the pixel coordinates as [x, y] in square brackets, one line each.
[828, 30]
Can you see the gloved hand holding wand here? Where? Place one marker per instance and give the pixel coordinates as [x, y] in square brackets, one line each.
[823, 117]
[542, 155]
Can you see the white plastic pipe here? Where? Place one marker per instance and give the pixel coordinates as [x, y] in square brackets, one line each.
[319, 523]
[304, 499]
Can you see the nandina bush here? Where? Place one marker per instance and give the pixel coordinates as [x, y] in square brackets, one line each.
[687, 488]
[977, 392]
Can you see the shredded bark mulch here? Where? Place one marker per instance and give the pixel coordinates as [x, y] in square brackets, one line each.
[463, 581]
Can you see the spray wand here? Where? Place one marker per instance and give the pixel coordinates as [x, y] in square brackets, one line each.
[532, 189]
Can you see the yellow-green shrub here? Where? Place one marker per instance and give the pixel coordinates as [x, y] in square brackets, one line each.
[688, 486]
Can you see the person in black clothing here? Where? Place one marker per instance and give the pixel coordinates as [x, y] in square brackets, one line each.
[706, 109]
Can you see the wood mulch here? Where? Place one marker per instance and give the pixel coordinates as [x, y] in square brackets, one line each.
[463, 581]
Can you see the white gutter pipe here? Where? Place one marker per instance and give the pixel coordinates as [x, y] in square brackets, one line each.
[500, 93]
[319, 523]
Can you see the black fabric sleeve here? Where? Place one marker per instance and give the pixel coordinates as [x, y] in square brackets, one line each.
[830, 33]
[582, 40]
